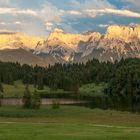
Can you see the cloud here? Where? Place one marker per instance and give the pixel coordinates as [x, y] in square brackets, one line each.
[2, 23]
[95, 8]
[49, 13]
[133, 5]
[10, 23]
[73, 12]
[71, 16]
[4, 3]
[16, 11]
[127, 13]
[49, 26]
[17, 22]
[91, 4]
[103, 25]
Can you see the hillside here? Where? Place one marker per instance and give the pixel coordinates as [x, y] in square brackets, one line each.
[22, 56]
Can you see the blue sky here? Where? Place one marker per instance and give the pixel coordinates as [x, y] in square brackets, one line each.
[39, 17]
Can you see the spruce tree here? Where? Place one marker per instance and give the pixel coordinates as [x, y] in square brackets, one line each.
[40, 81]
[36, 101]
[1, 93]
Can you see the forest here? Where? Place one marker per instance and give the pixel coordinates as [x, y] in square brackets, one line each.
[122, 78]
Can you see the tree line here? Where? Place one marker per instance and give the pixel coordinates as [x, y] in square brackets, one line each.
[60, 76]
[123, 77]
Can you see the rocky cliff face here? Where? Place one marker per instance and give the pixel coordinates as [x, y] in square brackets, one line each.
[125, 33]
[117, 42]
[63, 45]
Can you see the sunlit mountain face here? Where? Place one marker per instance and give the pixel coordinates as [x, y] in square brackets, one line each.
[51, 31]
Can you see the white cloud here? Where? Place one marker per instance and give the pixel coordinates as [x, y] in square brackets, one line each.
[133, 5]
[72, 12]
[11, 23]
[49, 13]
[95, 8]
[15, 11]
[122, 12]
[4, 3]
[91, 4]
[2, 23]
[103, 25]
[50, 16]
[49, 26]
[17, 22]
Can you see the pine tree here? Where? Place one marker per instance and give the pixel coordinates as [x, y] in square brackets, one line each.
[1, 87]
[36, 101]
[40, 81]
[1, 93]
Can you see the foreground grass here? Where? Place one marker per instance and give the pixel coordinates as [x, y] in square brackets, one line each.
[69, 114]
[68, 122]
[66, 131]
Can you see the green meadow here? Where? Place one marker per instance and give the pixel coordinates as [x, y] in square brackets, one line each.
[68, 122]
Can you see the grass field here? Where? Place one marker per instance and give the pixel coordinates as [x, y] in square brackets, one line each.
[68, 123]
[18, 88]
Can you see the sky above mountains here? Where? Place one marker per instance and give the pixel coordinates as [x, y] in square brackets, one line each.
[40, 17]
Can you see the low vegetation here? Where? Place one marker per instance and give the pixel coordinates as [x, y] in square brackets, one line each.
[68, 122]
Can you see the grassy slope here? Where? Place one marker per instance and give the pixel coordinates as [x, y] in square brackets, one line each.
[15, 90]
[69, 122]
[93, 89]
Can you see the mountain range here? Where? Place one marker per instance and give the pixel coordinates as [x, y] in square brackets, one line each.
[61, 47]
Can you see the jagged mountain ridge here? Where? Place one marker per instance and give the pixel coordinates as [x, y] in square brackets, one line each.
[118, 41]
[63, 46]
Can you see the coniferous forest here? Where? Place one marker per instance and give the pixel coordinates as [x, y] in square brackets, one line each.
[122, 78]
